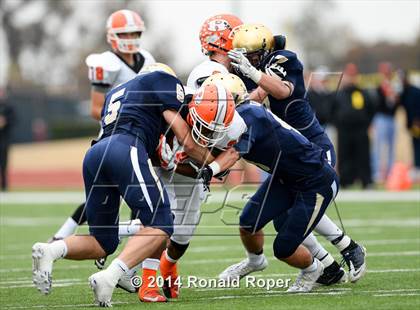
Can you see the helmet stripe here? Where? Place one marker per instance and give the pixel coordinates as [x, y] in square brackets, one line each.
[222, 104]
[129, 17]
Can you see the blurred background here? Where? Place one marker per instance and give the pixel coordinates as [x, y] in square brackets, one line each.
[362, 62]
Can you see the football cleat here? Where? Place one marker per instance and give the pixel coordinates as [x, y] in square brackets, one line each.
[355, 261]
[54, 238]
[332, 275]
[100, 262]
[242, 269]
[170, 287]
[102, 287]
[126, 283]
[151, 295]
[169, 273]
[305, 281]
[149, 291]
[42, 263]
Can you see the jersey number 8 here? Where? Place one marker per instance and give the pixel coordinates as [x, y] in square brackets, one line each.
[113, 107]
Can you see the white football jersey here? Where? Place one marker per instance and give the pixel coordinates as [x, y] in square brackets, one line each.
[203, 71]
[236, 129]
[109, 70]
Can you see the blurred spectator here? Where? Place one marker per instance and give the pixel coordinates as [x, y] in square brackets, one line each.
[6, 123]
[319, 97]
[384, 125]
[352, 112]
[410, 100]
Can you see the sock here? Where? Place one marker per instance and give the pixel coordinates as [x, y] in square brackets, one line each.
[116, 269]
[351, 245]
[150, 267]
[327, 260]
[255, 259]
[342, 242]
[151, 264]
[317, 250]
[129, 228]
[133, 270]
[167, 265]
[58, 249]
[328, 229]
[311, 268]
[67, 229]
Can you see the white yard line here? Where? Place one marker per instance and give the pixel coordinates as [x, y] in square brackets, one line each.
[215, 196]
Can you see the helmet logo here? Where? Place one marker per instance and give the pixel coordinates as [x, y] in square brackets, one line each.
[218, 25]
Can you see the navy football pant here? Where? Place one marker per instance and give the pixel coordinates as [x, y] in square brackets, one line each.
[294, 213]
[119, 166]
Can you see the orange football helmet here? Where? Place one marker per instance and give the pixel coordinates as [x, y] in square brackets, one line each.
[210, 114]
[216, 33]
[124, 21]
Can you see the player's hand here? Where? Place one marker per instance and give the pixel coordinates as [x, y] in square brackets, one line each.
[166, 156]
[242, 64]
[180, 155]
[206, 174]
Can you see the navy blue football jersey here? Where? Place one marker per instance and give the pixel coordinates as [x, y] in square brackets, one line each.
[295, 110]
[276, 147]
[136, 107]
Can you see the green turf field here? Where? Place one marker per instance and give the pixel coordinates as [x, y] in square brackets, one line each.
[389, 230]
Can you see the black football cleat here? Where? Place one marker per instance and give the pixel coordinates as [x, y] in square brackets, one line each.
[332, 274]
[354, 257]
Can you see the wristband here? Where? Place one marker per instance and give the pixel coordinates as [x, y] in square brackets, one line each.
[215, 167]
[255, 75]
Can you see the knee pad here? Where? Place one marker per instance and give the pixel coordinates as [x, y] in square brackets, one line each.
[108, 243]
[283, 249]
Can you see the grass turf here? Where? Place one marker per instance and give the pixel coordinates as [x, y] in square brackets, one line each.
[390, 231]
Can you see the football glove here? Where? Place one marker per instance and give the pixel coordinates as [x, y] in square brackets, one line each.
[242, 64]
[166, 156]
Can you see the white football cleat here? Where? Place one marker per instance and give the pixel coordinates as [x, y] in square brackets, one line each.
[242, 269]
[103, 287]
[306, 281]
[126, 283]
[42, 263]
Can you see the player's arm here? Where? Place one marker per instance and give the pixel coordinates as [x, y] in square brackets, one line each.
[183, 134]
[272, 83]
[274, 86]
[97, 99]
[103, 72]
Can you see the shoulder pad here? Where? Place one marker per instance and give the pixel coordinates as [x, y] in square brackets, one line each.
[203, 71]
[103, 68]
[148, 58]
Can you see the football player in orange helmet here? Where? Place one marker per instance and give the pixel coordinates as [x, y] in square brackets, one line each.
[215, 124]
[216, 41]
[124, 29]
